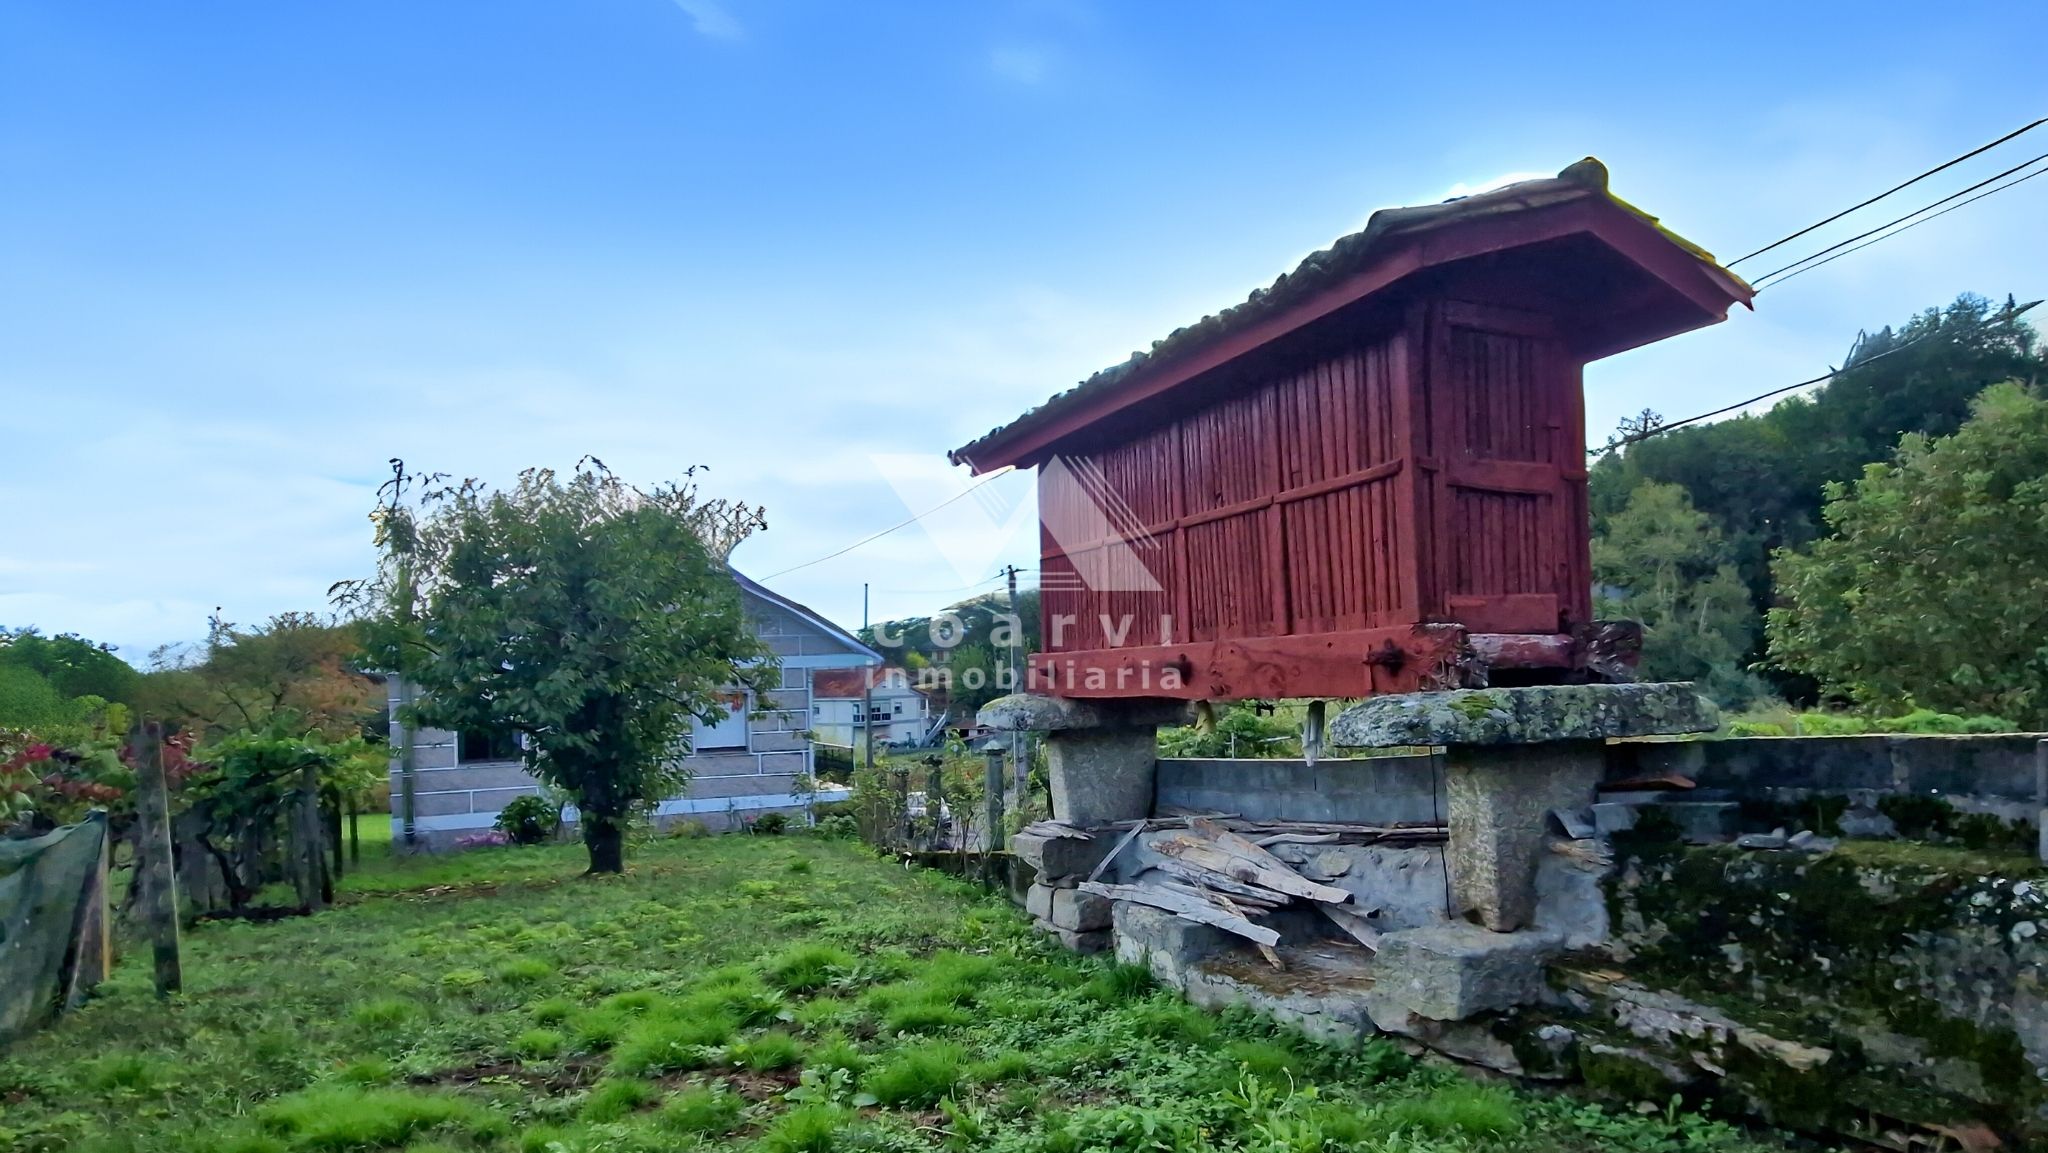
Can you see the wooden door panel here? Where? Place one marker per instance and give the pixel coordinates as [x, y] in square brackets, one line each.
[1500, 411]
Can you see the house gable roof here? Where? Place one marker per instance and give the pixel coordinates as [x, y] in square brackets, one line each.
[753, 588]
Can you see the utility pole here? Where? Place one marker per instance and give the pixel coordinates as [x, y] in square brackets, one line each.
[867, 691]
[1020, 765]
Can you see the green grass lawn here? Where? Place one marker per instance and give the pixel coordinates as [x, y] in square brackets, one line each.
[780, 994]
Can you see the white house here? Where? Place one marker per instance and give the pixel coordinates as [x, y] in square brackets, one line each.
[900, 714]
[743, 766]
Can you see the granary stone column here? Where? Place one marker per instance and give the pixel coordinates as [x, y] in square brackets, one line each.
[1100, 755]
[1512, 756]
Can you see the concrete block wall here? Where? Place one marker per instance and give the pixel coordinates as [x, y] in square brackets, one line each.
[1991, 766]
[1363, 790]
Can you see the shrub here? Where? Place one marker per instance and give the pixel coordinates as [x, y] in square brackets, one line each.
[349, 1117]
[768, 1052]
[633, 1001]
[838, 1053]
[596, 1029]
[811, 1129]
[837, 827]
[523, 970]
[529, 820]
[383, 1013]
[1173, 1021]
[702, 1111]
[1463, 1109]
[924, 1016]
[367, 1071]
[808, 968]
[124, 1071]
[1268, 1061]
[689, 830]
[616, 1097]
[660, 1044]
[917, 1075]
[1009, 1065]
[770, 824]
[552, 1011]
[539, 1043]
[1119, 983]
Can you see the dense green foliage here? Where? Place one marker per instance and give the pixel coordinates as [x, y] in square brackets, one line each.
[1664, 563]
[1933, 588]
[963, 652]
[43, 679]
[493, 1002]
[593, 619]
[1757, 481]
[529, 820]
[1242, 729]
[298, 672]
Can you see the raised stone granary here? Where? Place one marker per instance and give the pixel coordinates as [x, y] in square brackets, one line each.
[1369, 477]
[1367, 483]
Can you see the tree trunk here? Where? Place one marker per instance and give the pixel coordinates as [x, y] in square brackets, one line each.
[606, 840]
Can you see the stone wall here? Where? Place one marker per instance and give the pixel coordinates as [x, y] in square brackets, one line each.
[1364, 790]
[1998, 766]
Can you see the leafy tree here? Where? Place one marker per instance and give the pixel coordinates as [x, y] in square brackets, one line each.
[1760, 478]
[73, 666]
[592, 617]
[29, 700]
[1933, 589]
[297, 671]
[1660, 561]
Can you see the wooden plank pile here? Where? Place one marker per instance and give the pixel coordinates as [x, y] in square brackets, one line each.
[1221, 870]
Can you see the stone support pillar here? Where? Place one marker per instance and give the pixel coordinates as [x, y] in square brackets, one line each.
[1513, 755]
[1100, 755]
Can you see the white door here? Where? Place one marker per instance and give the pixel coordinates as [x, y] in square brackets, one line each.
[730, 732]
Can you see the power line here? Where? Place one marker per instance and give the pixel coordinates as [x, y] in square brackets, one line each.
[872, 537]
[1760, 281]
[1637, 437]
[2025, 128]
[1915, 224]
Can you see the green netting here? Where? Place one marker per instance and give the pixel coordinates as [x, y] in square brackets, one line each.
[42, 883]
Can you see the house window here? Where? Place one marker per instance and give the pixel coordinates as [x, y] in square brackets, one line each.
[486, 745]
[729, 732]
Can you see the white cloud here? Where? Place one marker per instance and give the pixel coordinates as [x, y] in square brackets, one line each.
[710, 19]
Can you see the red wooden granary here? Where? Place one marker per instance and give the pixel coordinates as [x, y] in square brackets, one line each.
[1369, 477]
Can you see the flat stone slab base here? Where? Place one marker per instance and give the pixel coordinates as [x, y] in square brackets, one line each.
[1534, 715]
[1323, 992]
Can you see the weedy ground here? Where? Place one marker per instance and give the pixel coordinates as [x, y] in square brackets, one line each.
[779, 994]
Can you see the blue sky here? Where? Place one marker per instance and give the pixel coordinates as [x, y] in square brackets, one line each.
[250, 250]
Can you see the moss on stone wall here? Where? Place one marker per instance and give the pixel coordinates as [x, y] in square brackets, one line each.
[1916, 948]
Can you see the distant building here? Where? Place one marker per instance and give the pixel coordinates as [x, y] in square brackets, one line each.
[741, 766]
[892, 707]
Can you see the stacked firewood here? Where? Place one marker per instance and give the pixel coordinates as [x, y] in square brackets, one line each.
[1221, 870]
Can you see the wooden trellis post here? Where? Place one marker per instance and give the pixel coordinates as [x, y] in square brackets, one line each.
[155, 870]
[309, 844]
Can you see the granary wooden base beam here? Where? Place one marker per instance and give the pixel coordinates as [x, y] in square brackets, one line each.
[1404, 659]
